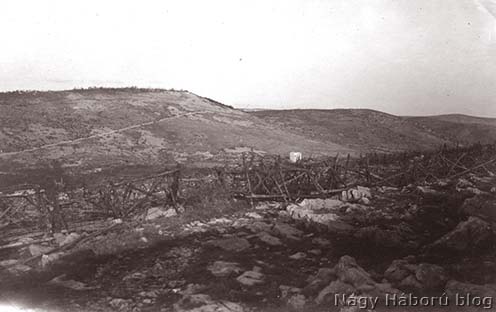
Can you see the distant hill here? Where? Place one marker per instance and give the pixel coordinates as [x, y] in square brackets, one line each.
[465, 119]
[128, 126]
[100, 127]
[369, 130]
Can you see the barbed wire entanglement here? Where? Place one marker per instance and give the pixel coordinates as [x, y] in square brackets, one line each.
[55, 206]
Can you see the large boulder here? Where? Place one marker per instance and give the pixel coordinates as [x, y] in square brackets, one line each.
[287, 231]
[422, 277]
[269, 239]
[398, 271]
[431, 276]
[346, 278]
[351, 273]
[470, 234]
[315, 283]
[482, 205]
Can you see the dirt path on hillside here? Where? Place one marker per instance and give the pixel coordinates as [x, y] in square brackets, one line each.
[99, 135]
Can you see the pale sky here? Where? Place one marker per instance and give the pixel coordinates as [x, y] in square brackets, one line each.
[406, 57]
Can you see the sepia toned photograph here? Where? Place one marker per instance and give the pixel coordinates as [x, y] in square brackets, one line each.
[248, 156]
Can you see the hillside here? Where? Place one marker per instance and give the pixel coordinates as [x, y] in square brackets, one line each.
[465, 119]
[369, 130]
[458, 128]
[134, 126]
[128, 126]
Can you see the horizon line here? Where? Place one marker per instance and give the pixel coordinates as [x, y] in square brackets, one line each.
[238, 107]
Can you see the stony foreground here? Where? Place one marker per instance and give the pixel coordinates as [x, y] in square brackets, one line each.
[425, 247]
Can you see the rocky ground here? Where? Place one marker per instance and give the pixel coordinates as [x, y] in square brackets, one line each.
[434, 241]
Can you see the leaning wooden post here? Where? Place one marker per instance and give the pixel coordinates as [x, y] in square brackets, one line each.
[346, 168]
[248, 180]
[367, 170]
[282, 177]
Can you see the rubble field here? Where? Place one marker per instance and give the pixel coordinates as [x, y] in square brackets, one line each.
[434, 242]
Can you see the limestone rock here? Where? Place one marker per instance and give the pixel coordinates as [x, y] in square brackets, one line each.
[339, 227]
[269, 239]
[204, 303]
[253, 215]
[472, 233]
[223, 268]
[250, 278]
[356, 194]
[482, 205]
[298, 256]
[326, 295]
[231, 244]
[37, 250]
[409, 283]
[398, 271]
[297, 302]
[50, 258]
[287, 231]
[67, 283]
[59, 237]
[321, 211]
[258, 226]
[321, 241]
[68, 239]
[351, 273]
[159, 212]
[365, 201]
[315, 252]
[287, 291]
[8, 263]
[416, 277]
[431, 276]
[315, 283]
[19, 269]
[120, 304]
[149, 294]
[321, 204]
